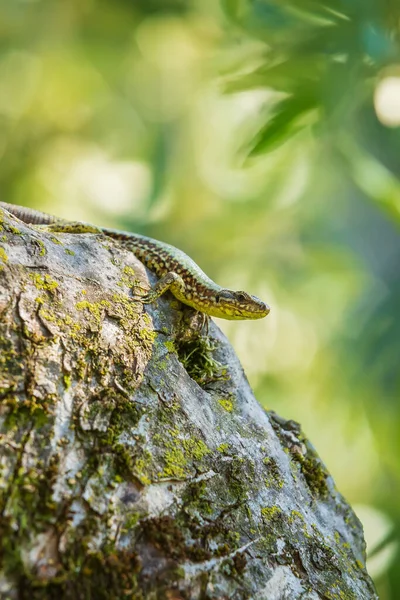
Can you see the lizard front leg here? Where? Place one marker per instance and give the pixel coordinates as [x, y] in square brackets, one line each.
[170, 281]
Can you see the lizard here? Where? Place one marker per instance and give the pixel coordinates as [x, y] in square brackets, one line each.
[177, 272]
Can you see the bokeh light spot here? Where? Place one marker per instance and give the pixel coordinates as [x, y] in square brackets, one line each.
[387, 101]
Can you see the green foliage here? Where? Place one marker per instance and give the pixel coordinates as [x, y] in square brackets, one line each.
[323, 56]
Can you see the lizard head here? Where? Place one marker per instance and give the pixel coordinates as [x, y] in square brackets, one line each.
[238, 305]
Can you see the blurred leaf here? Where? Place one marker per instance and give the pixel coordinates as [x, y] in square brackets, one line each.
[285, 123]
[335, 48]
[263, 17]
[282, 77]
[373, 178]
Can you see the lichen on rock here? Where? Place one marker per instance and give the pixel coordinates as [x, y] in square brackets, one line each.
[128, 468]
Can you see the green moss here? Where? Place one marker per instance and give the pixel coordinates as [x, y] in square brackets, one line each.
[166, 535]
[196, 355]
[314, 473]
[70, 252]
[130, 522]
[226, 404]
[121, 414]
[240, 474]
[67, 381]
[105, 575]
[195, 498]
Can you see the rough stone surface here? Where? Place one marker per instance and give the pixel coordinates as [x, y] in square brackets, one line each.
[135, 461]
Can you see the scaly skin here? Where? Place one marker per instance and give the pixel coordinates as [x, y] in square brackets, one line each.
[178, 273]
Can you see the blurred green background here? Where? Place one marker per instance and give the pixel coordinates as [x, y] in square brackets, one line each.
[263, 139]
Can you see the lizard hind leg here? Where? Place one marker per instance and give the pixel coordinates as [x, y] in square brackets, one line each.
[169, 282]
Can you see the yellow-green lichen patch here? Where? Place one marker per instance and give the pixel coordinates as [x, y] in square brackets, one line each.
[70, 252]
[223, 448]
[129, 278]
[179, 454]
[271, 513]
[170, 346]
[269, 482]
[3, 255]
[196, 449]
[296, 518]
[90, 334]
[226, 403]
[175, 464]
[67, 324]
[67, 381]
[49, 316]
[75, 227]
[295, 514]
[45, 283]
[129, 271]
[96, 309]
[12, 229]
[56, 240]
[147, 335]
[274, 479]
[128, 312]
[42, 251]
[130, 316]
[143, 468]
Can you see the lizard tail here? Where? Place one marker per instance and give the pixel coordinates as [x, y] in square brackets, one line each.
[29, 215]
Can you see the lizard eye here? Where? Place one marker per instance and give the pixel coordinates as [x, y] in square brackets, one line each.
[223, 295]
[241, 296]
